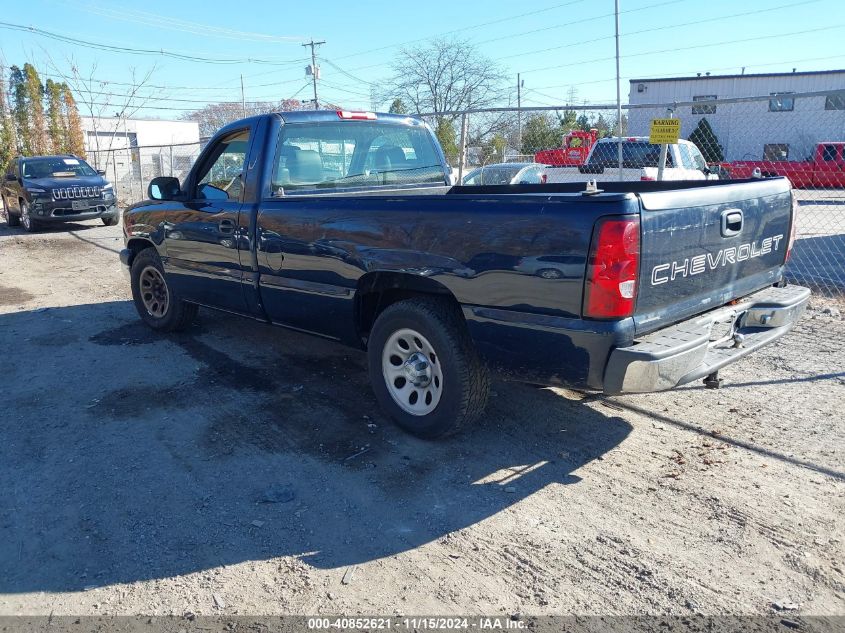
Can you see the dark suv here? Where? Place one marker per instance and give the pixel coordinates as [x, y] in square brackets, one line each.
[41, 189]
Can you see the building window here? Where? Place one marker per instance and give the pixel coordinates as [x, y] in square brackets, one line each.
[829, 153]
[704, 109]
[775, 151]
[781, 103]
[835, 101]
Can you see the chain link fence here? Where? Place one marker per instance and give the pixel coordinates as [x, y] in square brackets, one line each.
[130, 169]
[801, 136]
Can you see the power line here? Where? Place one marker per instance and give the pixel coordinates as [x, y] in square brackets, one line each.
[140, 51]
[184, 26]
[581, 21]
[163, 87]
[687, 48]
[462, 29]
[348, 74]
[661, 28]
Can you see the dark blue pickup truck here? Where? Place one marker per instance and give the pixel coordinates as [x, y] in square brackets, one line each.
[345, 225]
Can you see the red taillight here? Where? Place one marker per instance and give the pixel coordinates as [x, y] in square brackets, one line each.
[612, 269]
[646, 178]
[793, 227]
[363, 116]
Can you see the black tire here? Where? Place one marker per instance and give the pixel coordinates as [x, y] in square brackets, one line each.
[549, 273]
[26, 220]
[109, 221]
[177, 315]
[465, 379]
[11, 218]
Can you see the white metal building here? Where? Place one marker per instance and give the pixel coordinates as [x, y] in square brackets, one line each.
[777, 128]
[120, 145]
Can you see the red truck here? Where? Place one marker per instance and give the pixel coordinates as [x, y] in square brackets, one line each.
[576, 147]
[825, 169]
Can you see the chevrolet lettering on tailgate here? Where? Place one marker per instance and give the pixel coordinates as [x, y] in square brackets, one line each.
[663, 273]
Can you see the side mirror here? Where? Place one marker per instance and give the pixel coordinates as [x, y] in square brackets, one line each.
[11, 177]
[164, 188]
[101, 172]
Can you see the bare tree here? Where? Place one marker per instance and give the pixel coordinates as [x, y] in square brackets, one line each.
[445, 75]
[215, 115]
[97, 100]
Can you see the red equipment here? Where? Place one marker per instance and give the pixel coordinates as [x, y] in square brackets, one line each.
[576, 147]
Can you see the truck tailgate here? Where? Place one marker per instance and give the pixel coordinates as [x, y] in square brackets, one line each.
[704, 247]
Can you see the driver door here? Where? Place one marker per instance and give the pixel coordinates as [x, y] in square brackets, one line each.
[201, 236]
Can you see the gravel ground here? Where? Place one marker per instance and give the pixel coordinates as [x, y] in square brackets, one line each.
[243, 469]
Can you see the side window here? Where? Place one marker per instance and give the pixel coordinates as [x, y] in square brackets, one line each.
[775, 151]
[780, 102]
[829, 152]
[697, 158]
[223, 175]
[473, 178]
[686, 158]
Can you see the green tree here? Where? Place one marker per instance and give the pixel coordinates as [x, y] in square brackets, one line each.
[20, 110]
[35, 110]
[583, 123]
[70, 114]
[448, 137]
[705, 139]
[56, 125]
[398, 107]
[567, 121]
[8, 140]
[540, 133]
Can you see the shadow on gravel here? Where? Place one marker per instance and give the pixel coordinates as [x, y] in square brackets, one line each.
[49, 229]
[127, 455]
[789, 459]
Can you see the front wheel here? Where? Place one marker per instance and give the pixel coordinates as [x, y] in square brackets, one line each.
[156, 303]
[109, 221]
[29, 225]
[424, 368]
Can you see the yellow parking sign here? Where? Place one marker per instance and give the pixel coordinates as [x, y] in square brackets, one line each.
[664, 131]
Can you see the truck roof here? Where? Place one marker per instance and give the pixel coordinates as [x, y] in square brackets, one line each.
[302, 116]
[307, 116]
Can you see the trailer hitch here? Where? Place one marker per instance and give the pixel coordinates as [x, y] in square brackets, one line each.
[712, 381]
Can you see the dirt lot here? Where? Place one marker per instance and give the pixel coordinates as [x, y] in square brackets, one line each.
[239, 468]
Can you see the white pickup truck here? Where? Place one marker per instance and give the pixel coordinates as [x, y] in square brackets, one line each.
[639, 162]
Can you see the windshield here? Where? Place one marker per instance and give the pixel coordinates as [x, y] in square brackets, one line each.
[354, 154]
[635, 155]
[55, 167]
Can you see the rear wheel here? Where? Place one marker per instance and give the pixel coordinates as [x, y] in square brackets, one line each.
[156, 303]
[29, 225]
[424, 369]
[110, 221]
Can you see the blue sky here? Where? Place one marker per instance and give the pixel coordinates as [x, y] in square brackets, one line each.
[560, 48]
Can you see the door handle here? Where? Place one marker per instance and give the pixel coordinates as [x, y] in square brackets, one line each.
[226, 226]
[731, 222]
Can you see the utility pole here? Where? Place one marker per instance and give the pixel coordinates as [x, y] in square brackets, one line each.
[315, 71]
[618, 95]
[518, 114]
[243, 98]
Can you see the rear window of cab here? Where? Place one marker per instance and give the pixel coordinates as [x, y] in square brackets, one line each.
[348, 154]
